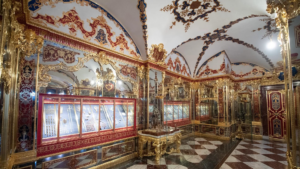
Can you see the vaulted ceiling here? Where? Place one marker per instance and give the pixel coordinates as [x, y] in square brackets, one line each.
[197, 29]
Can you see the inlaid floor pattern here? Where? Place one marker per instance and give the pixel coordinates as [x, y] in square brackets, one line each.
[257, 154]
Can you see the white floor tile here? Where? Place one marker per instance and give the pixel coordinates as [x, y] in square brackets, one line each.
[225, 166]
[193, 158]
[232, 159]
[200, 139]
[216, 142]
[262, 151]
[210, 146]
[261, 146]
[176, 167]
[202, 151]
[193, 143]
[185, 147]
[236, 152]
[260, 157]
[257, 165]
[284, 162]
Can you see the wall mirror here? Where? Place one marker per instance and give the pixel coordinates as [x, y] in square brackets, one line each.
[87, 75]
[155, 90]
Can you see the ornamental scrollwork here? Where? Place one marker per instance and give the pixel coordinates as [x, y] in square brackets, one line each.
[141, 72]
[101, 58]
[158, 54]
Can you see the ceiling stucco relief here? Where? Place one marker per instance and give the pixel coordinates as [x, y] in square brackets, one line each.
[143, 16]
[191, 10]
[70, 18]
[246, 70]
[177, 63]
[270, 27]
[219, 35]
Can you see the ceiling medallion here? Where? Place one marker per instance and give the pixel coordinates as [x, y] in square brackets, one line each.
[189, 11]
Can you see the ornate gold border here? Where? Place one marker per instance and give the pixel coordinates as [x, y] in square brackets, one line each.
[116, 161]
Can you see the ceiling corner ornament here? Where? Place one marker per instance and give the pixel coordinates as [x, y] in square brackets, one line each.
[158, 54]
[190, 11]
[142, 5]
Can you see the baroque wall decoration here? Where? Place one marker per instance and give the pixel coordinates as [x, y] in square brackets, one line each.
[26, 108]
[36, 5]
[297, 34]
[52, 53]
[208, 60]
[128, 71]
[189, 11]
[270, 27]
[74, 23]
[177, 66]
[207, 71]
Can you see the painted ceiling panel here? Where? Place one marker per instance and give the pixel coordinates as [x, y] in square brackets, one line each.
[235, 52]
[120, 10]
[96, 26]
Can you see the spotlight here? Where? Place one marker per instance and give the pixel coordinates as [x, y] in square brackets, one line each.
[92, 82]
[120, 82]
[271, 45]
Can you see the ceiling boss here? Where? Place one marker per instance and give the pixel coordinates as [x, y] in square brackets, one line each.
[189, 11]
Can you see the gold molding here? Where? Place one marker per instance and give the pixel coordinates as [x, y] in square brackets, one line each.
[115, 162]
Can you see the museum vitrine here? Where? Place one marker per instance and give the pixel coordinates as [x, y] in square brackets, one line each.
[66, 117]
[207, 112]
[176, 112]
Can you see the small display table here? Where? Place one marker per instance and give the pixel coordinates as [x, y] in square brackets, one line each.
[158, 143]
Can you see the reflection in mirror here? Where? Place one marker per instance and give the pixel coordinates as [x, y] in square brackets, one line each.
[244, 113]
[207, 112]
[155, 89]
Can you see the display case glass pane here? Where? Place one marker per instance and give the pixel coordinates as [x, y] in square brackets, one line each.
[130, 113]
[180, 111]
[165, 111]
[90, 115]
[69, 123]
[185, 111]
[107, 114]
[120, 114]
[170, 112]
[50, 118]
[176, 112]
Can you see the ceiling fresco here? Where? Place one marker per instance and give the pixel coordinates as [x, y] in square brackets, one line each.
[192, 31]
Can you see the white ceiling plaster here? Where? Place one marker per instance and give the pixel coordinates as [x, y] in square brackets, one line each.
[127, 13]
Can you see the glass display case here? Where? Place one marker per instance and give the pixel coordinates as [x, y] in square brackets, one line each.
[67, 117]
[207, 112]
[176, 112]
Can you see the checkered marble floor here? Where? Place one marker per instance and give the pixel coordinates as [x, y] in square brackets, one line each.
[193, 150]
[257, 154]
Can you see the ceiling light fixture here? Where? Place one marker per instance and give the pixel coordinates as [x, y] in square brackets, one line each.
[271, 44]
[92, 82]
